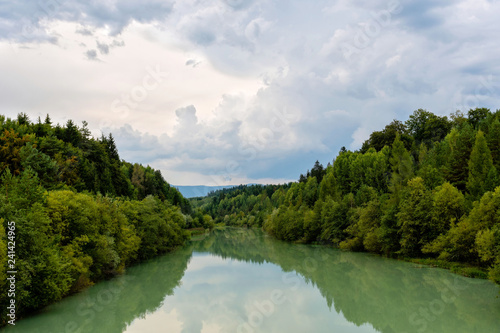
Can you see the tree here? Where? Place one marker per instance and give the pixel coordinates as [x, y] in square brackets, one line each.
[335, 219]
[42, 164]
[310, 193]
[312, 222]
[482, 173]
[294, 194]
[342, 170]
[460, 144]
[460, 242]
[318, 171]
[328, 186]
[72, 134]
[458, 118]
[448, 208]
[380, 139]
[493, 139]
[365, 231]
[401, 165]
[430, 166]
[477, 116]
[10, 146]
[369, 169]
[426, 127]
[110, 146]
[23, 119]
[414, 218]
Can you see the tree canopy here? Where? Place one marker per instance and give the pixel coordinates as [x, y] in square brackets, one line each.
[424, 188]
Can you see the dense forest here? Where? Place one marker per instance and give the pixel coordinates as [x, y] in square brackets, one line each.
[72, 213]
[425, 188]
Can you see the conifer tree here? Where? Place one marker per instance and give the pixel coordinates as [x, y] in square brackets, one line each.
[493, 139]
[460, 144]
[482, 173]
[401, 164]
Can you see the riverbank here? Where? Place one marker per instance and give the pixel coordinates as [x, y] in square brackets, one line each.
[458, 268]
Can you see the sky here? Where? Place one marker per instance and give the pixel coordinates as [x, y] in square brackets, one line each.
[227, 92]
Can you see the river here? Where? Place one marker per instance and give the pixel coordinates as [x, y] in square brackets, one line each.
[239, 280]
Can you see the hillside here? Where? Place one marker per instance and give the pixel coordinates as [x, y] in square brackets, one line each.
[72, 213]
[198, 190]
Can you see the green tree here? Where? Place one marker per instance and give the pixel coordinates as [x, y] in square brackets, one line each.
[42, 164]
[482, 173]
[328, 186]
[414, 218]
[312, 222]
[342, 171]
[365, 231]
[10, 146]
[477, 116]
[335, 219]
[448, 208]
[493, 139]
[460, 144]
[429, 166]
[318, 171]
[380, 139]
[294, 194]
[72, 134]
[459, 243]
[426, 127]
[310, 193]
[401, 165]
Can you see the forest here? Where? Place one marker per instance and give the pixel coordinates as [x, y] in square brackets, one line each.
[426, 189]
[72, 213]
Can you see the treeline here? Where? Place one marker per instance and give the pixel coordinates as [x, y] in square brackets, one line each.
[68, 156]
[240, 205]
[81, 214]
[425, 188]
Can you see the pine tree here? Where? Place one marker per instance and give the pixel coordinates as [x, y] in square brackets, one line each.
[494, 142]
[482, 173]
[401, 164]
[318, 171]
[72, 134]
[460, 144]
[47, 121]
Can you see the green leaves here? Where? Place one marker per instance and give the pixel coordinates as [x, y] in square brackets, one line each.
[427, 127]
[483, 175]
[409, 192]
[414, 217]
[401, 165]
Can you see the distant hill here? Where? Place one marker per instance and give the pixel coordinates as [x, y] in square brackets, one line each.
[199, 190]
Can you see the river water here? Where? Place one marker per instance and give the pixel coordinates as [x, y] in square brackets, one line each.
[239, 280]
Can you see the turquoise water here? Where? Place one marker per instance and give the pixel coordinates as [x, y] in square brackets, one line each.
[239, 280]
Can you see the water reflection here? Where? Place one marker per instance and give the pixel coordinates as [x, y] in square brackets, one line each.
[244, 281]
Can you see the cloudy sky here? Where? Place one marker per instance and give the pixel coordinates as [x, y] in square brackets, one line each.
[244, 91]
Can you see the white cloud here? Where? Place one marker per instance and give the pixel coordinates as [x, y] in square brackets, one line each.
[233, 65]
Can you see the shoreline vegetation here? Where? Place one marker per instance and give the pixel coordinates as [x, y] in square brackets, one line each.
[426, 191]
[462, 269]
[72, 213]
[427, 188]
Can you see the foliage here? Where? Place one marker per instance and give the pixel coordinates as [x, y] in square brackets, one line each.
[80, 214]
[482, 173]
[408, 192]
